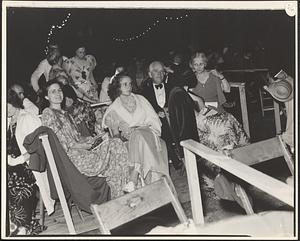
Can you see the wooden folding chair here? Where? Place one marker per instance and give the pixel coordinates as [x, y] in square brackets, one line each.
[130, 206]
[262, 151]
[66, 207]
[239, 166]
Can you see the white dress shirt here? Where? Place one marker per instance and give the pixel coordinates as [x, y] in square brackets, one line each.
[30, 107]
[160, 95]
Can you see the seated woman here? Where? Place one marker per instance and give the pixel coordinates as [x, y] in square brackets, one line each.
[208, 84]
[218, 130]
[133, 118]
[110, 159]
[21, 183]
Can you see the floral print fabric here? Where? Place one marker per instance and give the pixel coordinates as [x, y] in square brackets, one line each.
[21, 200]
[82, 74]
[82, 112]
[110, 159]
[220, 131]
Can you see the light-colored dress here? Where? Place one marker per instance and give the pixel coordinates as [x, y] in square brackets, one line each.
[142, 128]
[82, 74]
[110, 159]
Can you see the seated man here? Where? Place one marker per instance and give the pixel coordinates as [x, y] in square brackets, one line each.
[28, 105]
[156, 91]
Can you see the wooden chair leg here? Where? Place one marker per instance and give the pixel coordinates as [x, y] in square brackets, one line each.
[71, 204]
[261, 102]
[241, 193]
[42, 213]
[79, 212]
[287, 156]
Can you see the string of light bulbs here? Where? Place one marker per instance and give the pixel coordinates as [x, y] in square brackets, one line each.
[150, 28]
[53, 27]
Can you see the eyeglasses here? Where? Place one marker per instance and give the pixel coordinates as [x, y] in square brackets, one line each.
[158, 71]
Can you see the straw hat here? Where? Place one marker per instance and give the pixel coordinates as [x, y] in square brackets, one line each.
[282, 89]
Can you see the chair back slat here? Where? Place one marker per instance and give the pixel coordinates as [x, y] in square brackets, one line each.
[57, 182]
[128, 207]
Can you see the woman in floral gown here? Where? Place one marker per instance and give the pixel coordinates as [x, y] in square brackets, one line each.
[80, 68]
[110, 159]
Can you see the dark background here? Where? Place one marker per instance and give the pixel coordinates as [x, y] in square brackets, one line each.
[27, 31]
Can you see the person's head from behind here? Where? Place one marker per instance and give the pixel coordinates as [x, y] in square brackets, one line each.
[177, 59]
[19, 90]
[198, 62]
[157, 72]
[54, 57]
[63, 79]
[69, 95]
[14, 103]
[53, 93]
[120, 85]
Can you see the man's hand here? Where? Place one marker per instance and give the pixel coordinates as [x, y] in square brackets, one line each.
[161, 114]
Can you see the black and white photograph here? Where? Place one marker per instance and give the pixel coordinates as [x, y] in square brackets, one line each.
[149, 120]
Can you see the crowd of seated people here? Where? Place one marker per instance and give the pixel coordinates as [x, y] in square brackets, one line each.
[150, 107]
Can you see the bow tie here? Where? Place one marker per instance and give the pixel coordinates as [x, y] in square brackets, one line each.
[158, 86]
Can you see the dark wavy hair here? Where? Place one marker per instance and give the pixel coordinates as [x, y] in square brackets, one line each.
[13, 99]
[48, 84]
[114, 88]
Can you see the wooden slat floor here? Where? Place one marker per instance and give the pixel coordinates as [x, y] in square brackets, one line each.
[56, 224]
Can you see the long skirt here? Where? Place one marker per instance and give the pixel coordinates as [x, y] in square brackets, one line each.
[148, 152]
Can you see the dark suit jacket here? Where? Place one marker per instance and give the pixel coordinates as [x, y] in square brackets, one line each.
[182, 117]
[149, 94]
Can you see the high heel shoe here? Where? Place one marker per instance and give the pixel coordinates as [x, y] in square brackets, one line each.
[129, 187]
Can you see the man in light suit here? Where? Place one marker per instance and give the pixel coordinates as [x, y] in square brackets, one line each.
[156, 91]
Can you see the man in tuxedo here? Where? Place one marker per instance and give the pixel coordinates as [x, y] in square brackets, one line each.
[156, 91]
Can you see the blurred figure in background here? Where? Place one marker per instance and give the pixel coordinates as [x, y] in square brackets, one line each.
[28, 105]
[80, 68]
[44, 67]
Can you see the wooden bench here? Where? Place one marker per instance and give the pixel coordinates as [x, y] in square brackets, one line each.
[238, 166]
[128, 207]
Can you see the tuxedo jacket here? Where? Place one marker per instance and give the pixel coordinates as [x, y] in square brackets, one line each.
[149, 94]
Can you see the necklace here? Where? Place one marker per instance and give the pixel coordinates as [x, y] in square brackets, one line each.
[202, 78]
[129, 103]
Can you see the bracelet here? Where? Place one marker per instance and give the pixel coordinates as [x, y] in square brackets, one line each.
[222, 78]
